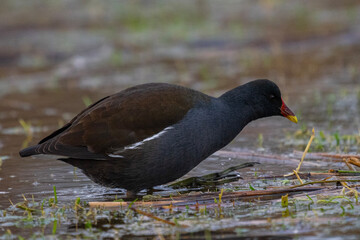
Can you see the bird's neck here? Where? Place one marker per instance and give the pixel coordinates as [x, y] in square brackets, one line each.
[229, 122]
[241, 104]
[236, 95]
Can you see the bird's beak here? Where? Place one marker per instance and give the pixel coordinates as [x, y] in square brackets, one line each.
[286, 112]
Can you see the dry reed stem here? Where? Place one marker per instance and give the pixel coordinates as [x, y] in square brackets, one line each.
[126, 204]
[204, 198]
[306, 149]
[303, 157]
[330, 181]
[352, 190]
[330, 155]
[298, 177]
[157, 218]
[354, 161]
[348, 164]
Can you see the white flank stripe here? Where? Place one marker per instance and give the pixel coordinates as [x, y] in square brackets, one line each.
[115, 156]
[137, 144]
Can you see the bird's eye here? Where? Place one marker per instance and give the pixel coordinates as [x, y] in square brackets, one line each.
[272, 96]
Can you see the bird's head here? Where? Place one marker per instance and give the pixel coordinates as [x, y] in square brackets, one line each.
[268, 101]
[263, 97]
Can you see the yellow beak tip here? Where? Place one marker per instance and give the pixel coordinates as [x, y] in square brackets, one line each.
[292, 118]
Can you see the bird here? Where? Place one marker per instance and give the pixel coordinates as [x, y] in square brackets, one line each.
[154, 133]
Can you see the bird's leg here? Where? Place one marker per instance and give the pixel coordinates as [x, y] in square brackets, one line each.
[130, 194]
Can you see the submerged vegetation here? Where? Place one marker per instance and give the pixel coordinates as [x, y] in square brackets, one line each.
[174, 216]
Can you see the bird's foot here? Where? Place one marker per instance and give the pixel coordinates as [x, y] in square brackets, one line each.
[213, 179]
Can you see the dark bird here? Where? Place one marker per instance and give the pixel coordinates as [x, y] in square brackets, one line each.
[154, 133]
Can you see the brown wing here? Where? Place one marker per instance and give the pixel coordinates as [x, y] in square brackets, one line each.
[123, 119]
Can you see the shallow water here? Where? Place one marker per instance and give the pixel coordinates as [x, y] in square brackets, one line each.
[46, 79]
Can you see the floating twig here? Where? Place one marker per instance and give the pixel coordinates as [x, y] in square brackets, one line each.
[206, 198]
[354, 161]
[263, 158]
[334, 157]
[348, 164]
[328, 181]
[157, 218]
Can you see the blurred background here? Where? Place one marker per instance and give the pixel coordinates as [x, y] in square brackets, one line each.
[203, 44]
[56, 57]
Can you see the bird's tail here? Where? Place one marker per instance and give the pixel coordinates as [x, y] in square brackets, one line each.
[26, 152]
